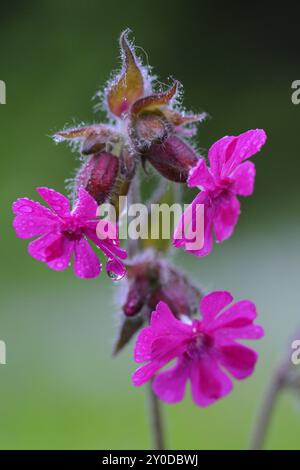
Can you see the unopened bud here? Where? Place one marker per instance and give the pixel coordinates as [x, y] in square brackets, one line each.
[152, 280]
[150, 127]
[173, 159]
[98, 175]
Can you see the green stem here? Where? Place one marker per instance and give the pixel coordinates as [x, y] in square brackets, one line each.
[264, 419]
[156, 419]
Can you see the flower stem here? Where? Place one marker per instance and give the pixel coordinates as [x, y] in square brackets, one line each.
[264, 419]
[133, 247]
[157, 427]
[278, 382]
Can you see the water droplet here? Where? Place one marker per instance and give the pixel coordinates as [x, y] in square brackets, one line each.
[115, 276]
[26, 209]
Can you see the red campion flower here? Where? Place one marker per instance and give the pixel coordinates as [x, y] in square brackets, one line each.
[145, 125]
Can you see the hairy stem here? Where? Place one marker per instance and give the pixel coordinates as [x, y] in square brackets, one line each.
[133, 248]
[261, 428]
[263, 422]
[157, 427]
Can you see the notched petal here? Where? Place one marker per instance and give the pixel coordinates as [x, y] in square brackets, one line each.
[129, 86]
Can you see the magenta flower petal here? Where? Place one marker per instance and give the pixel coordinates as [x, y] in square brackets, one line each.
[145, 373]
[115, 269]
[238, 360]
[86, 263]
[244, 178]
[60, 263]
[143, 346]
[111, 250]
[57, 202]
[225, 218]
[32, 219]
[208, 381]
[170, 385]
[26, 207]
[201, 176]
[86, 206]
[227, 335]
[219, 153]
[240, 314]
[33, 227]
[164, 322]
[188, 226]
[43, 248]
[246, 145]
[213, 303]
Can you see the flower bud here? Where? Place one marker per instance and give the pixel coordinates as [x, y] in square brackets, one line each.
[149, 127]
[98, 175]
[151, 279]
[127, 166]
[173, 159]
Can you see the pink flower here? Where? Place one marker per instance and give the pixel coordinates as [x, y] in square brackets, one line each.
[63, 233]
[202, 349]
[227, 177]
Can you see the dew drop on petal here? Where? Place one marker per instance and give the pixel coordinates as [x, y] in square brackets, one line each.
[25, 209]
[114, 276]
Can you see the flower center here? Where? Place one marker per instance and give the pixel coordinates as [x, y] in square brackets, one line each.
[72, 230]
[200, 344]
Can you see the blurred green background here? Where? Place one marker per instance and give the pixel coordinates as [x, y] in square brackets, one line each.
[61, 389]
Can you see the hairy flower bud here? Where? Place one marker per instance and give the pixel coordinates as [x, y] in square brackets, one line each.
[173, 159]
[145, 123]
[127, 167]
[149, 128]
[151, 279]
[98, 175]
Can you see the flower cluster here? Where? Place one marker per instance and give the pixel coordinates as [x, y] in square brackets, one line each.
[147, 126]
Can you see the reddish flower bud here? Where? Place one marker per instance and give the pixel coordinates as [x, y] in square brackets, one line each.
[173, 159]
[151, 279]
[146, 124]
[127, 166]
[98, 175]
[149, 128]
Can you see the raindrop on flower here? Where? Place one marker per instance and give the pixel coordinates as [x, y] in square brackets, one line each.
[115, 276]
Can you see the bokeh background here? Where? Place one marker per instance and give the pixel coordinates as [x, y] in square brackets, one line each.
[61, 389]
